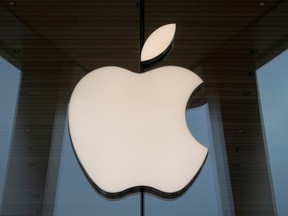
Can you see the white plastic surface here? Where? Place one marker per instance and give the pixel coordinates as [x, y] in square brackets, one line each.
[158, 42]
[130, 130]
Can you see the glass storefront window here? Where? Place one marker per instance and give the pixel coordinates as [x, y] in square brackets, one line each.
[272, 87]
[10, 78]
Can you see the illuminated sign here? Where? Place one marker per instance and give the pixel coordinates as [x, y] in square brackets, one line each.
[129, 130]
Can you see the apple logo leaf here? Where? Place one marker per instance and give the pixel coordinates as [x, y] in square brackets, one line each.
[158, 44]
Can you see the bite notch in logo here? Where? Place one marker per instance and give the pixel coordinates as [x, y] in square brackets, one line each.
[129, 130]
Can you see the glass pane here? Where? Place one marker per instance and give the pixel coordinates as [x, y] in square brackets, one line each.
[272, 84]
[10, 78]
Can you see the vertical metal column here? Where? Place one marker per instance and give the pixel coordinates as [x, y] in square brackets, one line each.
[142, 39]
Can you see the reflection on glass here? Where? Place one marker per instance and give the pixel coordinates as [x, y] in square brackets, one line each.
[9, 87]
[272, 80]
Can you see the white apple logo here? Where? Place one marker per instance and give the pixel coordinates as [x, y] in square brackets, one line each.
[129, 130]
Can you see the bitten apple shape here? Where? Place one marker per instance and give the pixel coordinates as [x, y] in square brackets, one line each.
[129, 130]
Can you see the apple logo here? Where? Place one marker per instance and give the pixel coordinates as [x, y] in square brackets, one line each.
[129, 130]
